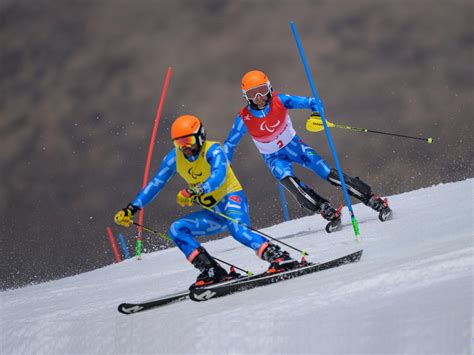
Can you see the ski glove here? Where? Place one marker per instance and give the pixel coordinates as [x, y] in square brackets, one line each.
[124, 217]
[187, 196]
[315, 123]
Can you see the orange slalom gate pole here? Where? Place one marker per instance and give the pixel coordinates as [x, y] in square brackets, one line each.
[114, 246]
[148, 159]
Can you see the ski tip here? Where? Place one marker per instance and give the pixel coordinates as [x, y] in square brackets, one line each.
[127, 308]
[358, 255]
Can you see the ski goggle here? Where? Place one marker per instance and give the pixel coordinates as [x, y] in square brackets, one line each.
[185, 142]
[262, 90]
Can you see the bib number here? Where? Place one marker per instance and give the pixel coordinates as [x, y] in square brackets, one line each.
[207, 201]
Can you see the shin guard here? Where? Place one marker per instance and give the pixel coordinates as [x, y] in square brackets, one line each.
[355, 186]
[305, 196]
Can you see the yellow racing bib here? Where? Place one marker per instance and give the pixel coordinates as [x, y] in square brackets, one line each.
[198, 171]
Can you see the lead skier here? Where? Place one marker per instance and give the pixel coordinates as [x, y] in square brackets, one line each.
[266, 119]
[211, 182]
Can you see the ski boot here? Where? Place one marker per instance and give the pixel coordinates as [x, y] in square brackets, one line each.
[381, 206]
[211, 271]
[333, 216]
[279, 260]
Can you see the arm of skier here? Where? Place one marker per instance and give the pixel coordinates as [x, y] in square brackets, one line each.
[298, 102]
[166, 171]
[216, 158]
[236, 133]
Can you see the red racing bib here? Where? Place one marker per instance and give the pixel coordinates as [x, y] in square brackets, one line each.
[272, 132]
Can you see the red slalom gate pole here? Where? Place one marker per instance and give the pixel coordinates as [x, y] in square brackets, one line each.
[148, 159]
[114, 246]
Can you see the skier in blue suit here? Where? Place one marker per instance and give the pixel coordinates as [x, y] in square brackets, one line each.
[266, 119]
[212, 183]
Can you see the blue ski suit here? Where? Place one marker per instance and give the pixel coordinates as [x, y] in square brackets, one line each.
[274, 136]
[185, 230]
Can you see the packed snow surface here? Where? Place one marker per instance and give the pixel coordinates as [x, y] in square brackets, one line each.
[410, 293]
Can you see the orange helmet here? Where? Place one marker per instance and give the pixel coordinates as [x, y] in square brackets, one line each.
[188, 126]
[254, 78]
[257, 80]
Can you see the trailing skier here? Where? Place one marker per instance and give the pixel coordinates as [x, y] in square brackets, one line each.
[211, 183]
[266, 119]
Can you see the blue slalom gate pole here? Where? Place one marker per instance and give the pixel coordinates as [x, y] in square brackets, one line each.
[320, 109]
[284, 205]
[124, 246]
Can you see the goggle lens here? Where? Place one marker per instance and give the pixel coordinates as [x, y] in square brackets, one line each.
[261, 90]
[184, 142]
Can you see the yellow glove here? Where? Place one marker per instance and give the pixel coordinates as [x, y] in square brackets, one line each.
[315, 123]
[124, 217]
[187, 196]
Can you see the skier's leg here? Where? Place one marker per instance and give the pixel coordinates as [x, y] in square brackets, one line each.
[303, 154]
[355, 186]
[280, 165]
[363, 192]
[307, 157]
[183, 233]
[313, 202]
[185, 230]
[235, 206]
[298, 152]
[305, 196]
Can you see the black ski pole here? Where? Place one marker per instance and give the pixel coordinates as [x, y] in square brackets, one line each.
[164, 236]
[303, 252]
[249, 273]
[315, 124]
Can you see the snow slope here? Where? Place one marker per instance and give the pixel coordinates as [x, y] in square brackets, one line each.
[411, 293]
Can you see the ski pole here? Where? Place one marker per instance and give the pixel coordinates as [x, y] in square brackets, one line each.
[249, 273]
[164, 236]
[315, 124]
[303, 252]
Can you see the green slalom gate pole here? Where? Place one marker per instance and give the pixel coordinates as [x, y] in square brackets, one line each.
[320, 109]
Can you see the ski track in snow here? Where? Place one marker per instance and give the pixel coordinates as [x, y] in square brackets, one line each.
[411, 293]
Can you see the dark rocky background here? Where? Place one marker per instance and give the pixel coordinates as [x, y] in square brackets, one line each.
[81, 82]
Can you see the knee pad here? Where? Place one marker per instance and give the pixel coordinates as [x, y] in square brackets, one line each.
[305, 196]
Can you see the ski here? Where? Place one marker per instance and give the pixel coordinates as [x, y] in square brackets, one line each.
[236, 285]
[222, 289]
[130, 308]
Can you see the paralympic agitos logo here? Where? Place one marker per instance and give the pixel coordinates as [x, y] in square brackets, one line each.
[269, 128]
[193, 174]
